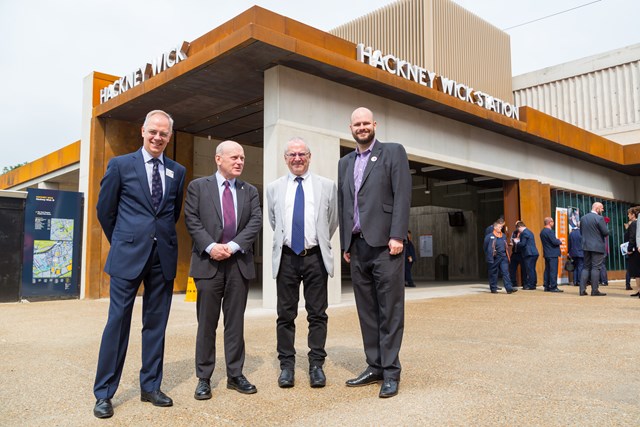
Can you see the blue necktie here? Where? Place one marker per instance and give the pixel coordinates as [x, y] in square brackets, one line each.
[156, 185]
[297, 228]
[228, 215]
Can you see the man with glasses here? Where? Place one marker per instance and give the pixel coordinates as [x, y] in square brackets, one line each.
[303, 214]
[139, 203]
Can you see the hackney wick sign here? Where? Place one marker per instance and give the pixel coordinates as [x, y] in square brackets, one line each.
[420, 75]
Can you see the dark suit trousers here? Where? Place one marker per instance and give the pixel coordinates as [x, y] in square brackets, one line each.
[226, 291]
[378, 287]
[517, 260]
[499, 265]
[530, 269]
[591, 272]
[310, 270]
[156, 303]
[550, 273]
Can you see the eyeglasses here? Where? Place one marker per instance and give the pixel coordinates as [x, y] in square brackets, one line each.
[162, 135]
[294, 155]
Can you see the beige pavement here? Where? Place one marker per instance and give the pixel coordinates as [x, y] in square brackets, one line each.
[469, 358]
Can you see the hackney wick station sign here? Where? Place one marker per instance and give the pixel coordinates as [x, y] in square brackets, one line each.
[420, 75]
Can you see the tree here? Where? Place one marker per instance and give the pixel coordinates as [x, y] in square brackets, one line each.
[10, 168]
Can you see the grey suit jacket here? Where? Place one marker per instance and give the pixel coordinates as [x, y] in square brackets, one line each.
[326, 217]
[594, 230]
[384, 199]
[203, 216]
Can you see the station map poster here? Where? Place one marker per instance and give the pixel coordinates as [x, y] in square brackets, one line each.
[52, 241]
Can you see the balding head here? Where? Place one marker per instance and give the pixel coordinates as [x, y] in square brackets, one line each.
[230, 159]
[598, 208]
[363, 127]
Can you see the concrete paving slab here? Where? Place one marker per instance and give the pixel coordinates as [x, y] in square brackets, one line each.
[469, 358]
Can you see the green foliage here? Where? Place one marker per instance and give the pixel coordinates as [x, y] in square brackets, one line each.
[10, 168]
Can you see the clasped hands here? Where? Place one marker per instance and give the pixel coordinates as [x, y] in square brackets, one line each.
[220, 251]
[395, 247]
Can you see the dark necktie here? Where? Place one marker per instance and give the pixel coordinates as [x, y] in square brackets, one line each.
[297, 228]
[156, 185]
[228, 214]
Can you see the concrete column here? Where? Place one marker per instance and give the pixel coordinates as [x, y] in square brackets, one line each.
[325, 152]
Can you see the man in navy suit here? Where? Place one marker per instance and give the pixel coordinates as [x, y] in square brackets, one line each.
[526, 245]
[576, 253]
[594, 230]
[139, 204]
[551, 252]
[374, 198]
[223, 217]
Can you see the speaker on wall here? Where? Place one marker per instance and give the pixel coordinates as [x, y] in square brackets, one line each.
[456, 219]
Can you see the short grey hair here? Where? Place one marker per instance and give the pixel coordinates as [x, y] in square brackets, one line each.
[158, 112]
[297, 139]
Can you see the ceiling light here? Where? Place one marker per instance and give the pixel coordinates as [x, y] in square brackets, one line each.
[431, 168]
[483, 178]
[454, 182]
[489, 190]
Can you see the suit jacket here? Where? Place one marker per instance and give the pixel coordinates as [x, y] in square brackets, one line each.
[550, 243]
[326, 217]
[129, 221]
[575, 244]
[203, 216]
[527, 244]
[594, 230]
[384, 199]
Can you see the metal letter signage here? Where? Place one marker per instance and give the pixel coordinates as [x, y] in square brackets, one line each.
[408, 71]
[160, 64]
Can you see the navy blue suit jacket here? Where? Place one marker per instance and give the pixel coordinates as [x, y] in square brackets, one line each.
[129, 221]
[550, 243]
[575, 244]
[527, 244]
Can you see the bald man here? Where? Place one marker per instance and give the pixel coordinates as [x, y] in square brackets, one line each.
[594, 230]
[223, 216]
[374, 198]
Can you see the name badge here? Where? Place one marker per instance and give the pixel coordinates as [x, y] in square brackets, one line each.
[169, 173]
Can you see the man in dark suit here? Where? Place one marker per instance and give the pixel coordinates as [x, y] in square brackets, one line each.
[223, 217]
[551, 252]
[516, 260]
[374, 198]
[303, 213]
[594, 230]
[138, 206]
[526, 245]
[576, 253]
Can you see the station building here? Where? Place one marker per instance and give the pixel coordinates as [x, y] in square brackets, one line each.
[438, 80]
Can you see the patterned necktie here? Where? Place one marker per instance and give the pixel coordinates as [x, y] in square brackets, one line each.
[297, 228]
[156, 185]
[228, 215]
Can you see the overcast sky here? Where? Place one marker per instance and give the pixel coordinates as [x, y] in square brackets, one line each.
[48, 47]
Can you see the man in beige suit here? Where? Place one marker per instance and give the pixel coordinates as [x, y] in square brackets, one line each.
[303, 213]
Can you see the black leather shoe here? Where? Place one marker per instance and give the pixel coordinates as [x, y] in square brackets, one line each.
[512, 291]
[241, 384]
[157, 398]
[203, 390]
[317, 378]
[286, 378]
[494, 291]
[103, 408]
[597, 294]
[367, 377]
[389, 388]
[528, 289]
[637, 294]
[628, 288]
[555, 290]
[583, 293]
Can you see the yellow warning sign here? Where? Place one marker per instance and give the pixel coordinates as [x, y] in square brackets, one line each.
[192, 293]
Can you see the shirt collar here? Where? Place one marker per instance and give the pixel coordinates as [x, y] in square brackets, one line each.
[147, 157]
[370, 149]
[304, 176]
[220, 179]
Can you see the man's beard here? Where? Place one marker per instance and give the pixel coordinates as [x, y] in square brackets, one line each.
[366, 140]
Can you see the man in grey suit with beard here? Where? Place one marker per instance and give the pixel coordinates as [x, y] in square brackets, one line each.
[594, 230]
[303, 213]
[374, 198]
